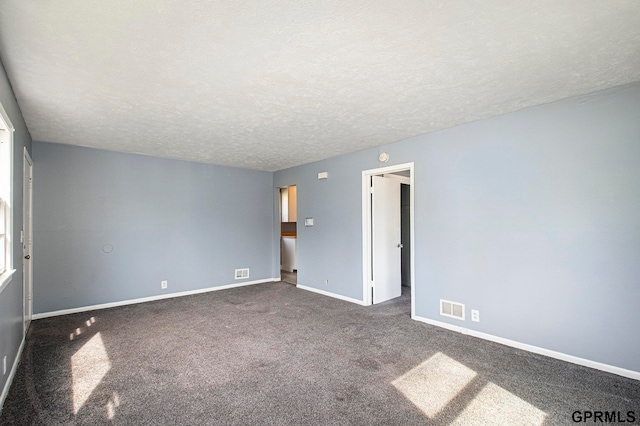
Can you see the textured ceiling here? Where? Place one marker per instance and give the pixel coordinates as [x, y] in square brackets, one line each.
[273, 84]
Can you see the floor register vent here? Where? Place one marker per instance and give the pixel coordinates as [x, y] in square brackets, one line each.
[242, 273]
[452, 309]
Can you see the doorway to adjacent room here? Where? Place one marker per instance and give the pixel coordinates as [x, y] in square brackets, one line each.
[289, 234]
[388, 233]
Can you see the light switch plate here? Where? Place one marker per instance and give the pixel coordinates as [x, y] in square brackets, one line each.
[308, 221]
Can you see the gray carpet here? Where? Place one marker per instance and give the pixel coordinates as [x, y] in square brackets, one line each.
[275, 354]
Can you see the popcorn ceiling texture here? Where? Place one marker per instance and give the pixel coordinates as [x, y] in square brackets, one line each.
[273, 84]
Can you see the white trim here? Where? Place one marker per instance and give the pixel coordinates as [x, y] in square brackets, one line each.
[5, 117]
[5, 279]
[147, 299]
[535, 349]
[5, 121]
[12, 374]
[366, 229]
[366, 239]
[27, 288]
[334, 295]
[403, 179]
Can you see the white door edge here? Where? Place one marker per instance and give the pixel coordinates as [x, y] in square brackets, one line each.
[27, 278]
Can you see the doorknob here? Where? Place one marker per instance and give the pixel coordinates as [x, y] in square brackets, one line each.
[28, 257]
[400, 245]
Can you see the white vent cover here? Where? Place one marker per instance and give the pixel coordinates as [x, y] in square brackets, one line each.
[242, 273]
[452, 309]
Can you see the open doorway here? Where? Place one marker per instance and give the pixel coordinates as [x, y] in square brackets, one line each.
[289, 234]
[388, 223]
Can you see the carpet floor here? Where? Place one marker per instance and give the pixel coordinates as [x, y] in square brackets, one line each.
[272, 354]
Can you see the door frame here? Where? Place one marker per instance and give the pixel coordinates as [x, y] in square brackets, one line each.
[367, 284]
[278, 227]
[27, 287]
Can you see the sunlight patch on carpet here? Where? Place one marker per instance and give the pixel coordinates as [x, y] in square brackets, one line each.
[112, 404]
[496, 406]
[89, 365]
[433, 384]
[78, 331]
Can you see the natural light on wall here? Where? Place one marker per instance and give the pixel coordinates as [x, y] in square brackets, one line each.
[434, 384]
[89, 365]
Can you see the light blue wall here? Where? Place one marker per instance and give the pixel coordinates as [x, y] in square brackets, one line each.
[532, 217]
[332, 248]
[189, 223]
[11, 302]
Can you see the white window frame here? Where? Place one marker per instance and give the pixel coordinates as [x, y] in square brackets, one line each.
[6, 194]
[4, 238]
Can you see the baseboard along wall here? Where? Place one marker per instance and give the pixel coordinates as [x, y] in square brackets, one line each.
[485, 336]
[507, 342]
[535, 349]
[334, 295]
[148, 299]
[12, 374]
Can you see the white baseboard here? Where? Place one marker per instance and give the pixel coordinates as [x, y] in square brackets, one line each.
[12, 374]
[148, 299]
[334, 295]
[535, 349]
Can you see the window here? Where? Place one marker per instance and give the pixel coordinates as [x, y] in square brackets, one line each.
[4, 238]
[6, 171]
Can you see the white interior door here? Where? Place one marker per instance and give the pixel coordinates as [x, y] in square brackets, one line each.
[385, 224]
[27, 240]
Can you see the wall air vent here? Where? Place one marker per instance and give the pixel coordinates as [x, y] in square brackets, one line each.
[452, 309]
[242, 273]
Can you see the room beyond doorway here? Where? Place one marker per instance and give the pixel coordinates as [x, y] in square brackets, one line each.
[289, 277]
[289, 234]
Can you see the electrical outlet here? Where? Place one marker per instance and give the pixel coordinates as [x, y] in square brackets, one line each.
[326, 282]
[475, 315]
[4, 365]
[163, 284]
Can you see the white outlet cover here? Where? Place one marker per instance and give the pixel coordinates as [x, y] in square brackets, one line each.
[475, 315]
[308, 221]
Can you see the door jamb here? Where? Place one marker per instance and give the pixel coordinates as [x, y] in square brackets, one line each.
[366, 229]
[27, 288]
